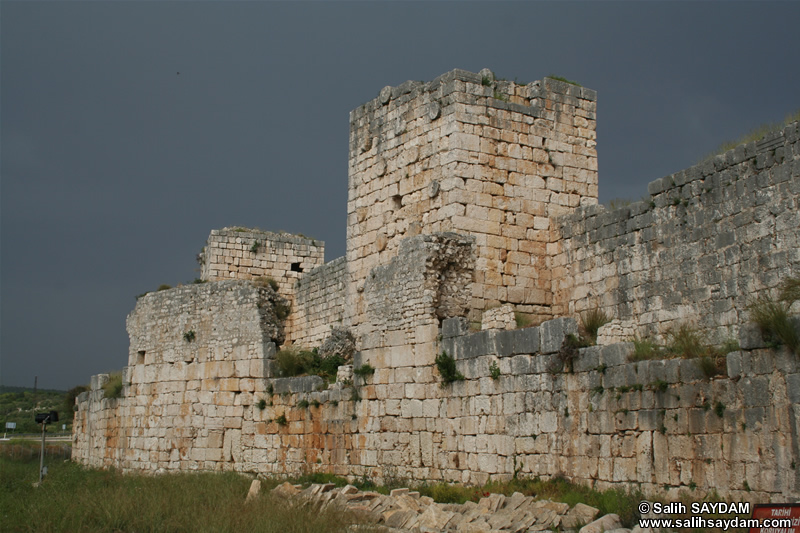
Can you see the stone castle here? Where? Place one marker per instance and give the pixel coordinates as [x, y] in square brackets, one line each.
[472, 208]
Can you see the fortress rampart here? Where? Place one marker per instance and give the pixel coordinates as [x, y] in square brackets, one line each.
[697, 249]
[465, 194]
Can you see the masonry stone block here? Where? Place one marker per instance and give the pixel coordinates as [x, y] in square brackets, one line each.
[793, 387]
[616, 354]
[756, 391]
[454, 327]
[588, 359]
[477, 344]
[526, 340]
[552, 333]
[504, 342]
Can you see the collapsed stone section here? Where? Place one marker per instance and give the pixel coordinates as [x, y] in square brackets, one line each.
[428, 281]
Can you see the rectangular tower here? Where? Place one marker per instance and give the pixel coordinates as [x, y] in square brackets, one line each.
[469, 154]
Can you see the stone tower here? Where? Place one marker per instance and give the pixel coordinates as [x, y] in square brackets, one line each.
[469, 154]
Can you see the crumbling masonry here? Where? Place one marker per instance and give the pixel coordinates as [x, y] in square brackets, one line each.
[472, 200]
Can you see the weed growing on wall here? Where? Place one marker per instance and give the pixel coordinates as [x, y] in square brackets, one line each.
[363, 371]
[295, 362]
[565, 80]
[265, 281]
[684, 340]
[113, 387]
[773, 316]
[591, 322]
[189, 336]
[753, 135]
[447, 369]
[494, 370]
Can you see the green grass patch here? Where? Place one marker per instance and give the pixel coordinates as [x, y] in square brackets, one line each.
[74, 498]
[266, 281]
[494, 370]
[685, 340]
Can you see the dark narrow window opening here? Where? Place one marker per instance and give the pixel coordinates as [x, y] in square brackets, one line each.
[296, 267]
[140, 357]
[397, 201]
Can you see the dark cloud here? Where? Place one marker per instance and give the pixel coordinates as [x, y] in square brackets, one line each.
[131, 129]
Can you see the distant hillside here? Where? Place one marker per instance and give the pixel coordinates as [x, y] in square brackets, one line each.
[20, 404]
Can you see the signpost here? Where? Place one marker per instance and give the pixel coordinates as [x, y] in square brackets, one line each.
[9, 425]
[43, 419]
[772, 511]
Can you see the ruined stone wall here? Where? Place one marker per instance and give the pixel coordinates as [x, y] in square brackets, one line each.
[242, 253]
[197, 355]
[705, 241]
[659, 425]
[318, 304]
[408, 298]
[465, 153]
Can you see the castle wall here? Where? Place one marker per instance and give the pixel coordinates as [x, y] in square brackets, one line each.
[427, 282]
[658, 425]
[467, 154]
[466, 193]
[707, 240]
[241, 253]
[318, 303]
[197, 355]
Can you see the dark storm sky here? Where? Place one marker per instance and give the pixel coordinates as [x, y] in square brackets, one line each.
[115, 167]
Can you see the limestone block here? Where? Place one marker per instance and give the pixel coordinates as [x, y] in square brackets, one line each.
[552, 333]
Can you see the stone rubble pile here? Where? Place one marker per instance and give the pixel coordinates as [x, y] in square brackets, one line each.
[406, 510]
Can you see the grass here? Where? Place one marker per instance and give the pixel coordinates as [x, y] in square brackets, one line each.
[295, 362]
[447, 369]
[773, 316]
[189, 336]
[363, 371]
[522, 320]
[591, 322]
[267, 282]
[684, 340]
[753, 135]
[624, 503]
[74, 498]
[282, 311]
[565, 80]
[113, 387]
